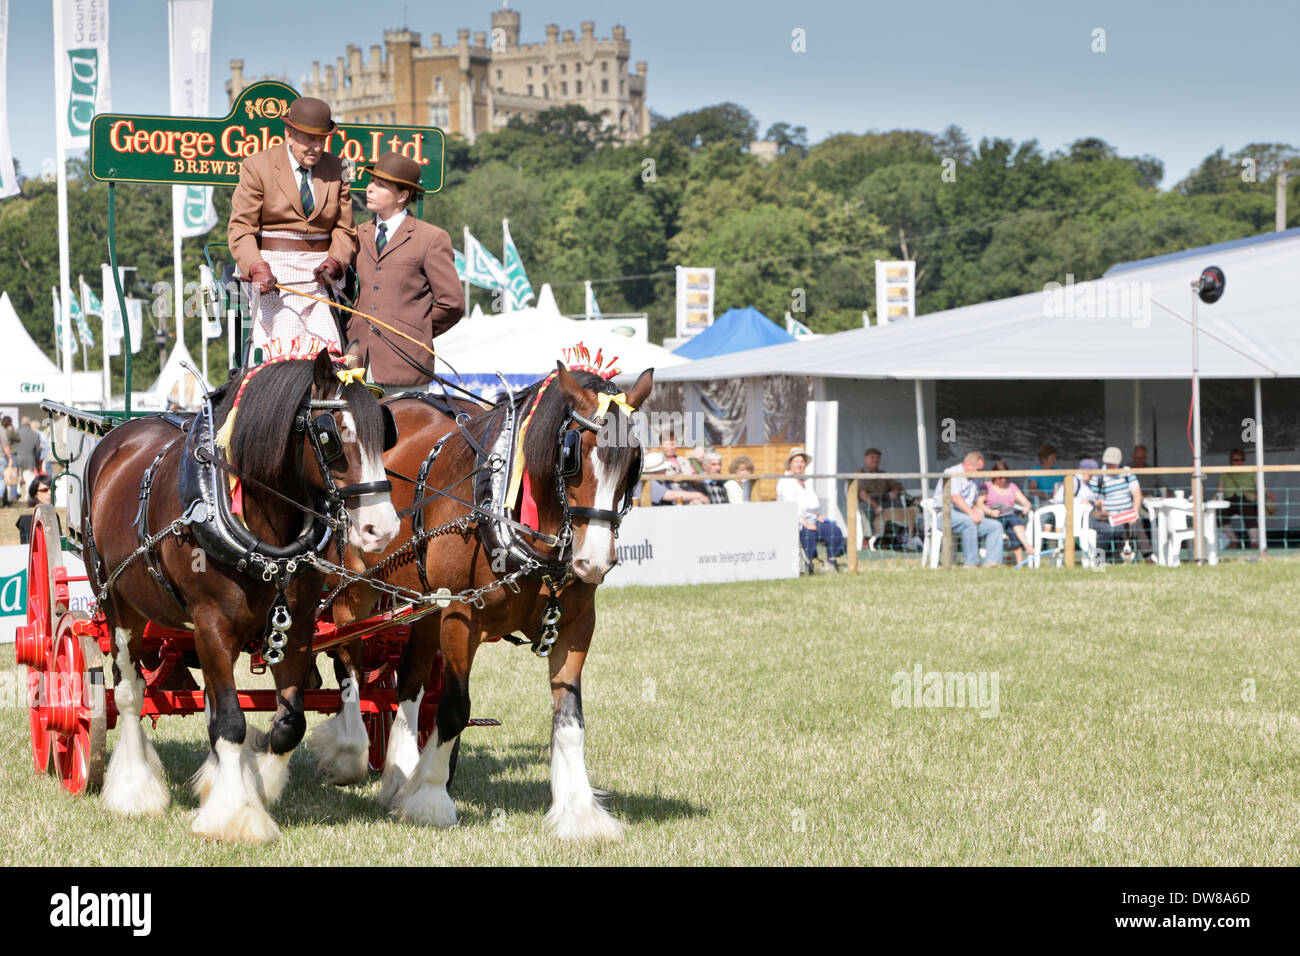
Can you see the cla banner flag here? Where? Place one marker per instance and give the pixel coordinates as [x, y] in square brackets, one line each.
[191, 59]
[593, 310]
[8, 178]
[481, 267]
[517, 280]
[81, 39]
[60, 333]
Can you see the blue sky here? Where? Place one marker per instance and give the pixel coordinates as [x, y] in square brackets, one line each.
[1177, 80]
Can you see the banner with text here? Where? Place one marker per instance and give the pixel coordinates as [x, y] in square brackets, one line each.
[895, 291]
[706, 544]
[190, 23]
[81, 36]
[8, 177]
[695, 289]
[208, 152]
[13, 588]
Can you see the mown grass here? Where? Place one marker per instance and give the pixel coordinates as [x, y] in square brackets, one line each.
[753, 724]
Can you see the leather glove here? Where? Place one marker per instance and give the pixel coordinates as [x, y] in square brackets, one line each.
[331, 268]
[262, 278]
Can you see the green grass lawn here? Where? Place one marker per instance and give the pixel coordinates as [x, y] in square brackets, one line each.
[753, 724]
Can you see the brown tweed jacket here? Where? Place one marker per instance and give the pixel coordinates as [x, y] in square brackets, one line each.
[267, 198]
[412, 286]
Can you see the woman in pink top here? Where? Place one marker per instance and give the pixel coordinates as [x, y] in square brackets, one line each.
[1000, 499]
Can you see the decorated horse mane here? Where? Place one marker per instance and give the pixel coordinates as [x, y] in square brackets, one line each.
[259, 410]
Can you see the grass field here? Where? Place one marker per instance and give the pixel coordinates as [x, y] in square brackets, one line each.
[753, 724]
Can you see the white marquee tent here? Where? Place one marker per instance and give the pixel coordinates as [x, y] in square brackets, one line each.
[27, 376]
[524, 346]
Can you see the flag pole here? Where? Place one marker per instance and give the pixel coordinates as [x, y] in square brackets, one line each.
[103, 325]
[465, 246]
[60, 153]
[179, 297]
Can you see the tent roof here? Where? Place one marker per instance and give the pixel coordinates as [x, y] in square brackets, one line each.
[1134, 325]
[527, 343]
[175, 383]
[735, 331]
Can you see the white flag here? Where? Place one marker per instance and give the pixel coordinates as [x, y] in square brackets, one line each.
[113, 315]
[81, 38]
[481, 267]
[59, 330]
[211, 323]
[593, 310]
[8, 178]
[193, 213]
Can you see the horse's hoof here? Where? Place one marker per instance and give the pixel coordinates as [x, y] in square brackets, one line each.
[428, 807]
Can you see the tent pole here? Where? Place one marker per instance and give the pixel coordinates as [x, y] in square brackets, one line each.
[1198, 494]
[1261, 515]
[1137, 412]
[923, 456]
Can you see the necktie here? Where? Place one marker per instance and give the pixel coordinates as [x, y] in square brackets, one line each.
[381, 237]
[308, 203]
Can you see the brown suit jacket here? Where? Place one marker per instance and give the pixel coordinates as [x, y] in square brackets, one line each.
[267, 198]
[412, 286]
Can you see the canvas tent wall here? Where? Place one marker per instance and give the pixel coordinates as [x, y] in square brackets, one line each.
[27, 376]
[1116, 351]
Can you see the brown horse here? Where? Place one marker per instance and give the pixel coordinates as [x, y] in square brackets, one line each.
[578, 470]
[284, 452]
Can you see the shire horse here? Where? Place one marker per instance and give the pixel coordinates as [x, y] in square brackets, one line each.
[274, 445]
[578, 464]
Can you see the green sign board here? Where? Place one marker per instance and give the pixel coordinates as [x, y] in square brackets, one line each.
[208, 152]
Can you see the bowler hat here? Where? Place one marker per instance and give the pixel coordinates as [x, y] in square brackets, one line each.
[398, 169]
[311, 116]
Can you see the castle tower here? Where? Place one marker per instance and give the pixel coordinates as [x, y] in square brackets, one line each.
[507, 21]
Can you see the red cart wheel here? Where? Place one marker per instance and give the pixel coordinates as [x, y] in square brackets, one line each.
[77, 719]
[35, 641]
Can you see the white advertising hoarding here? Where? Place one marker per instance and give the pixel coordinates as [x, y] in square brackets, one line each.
[707, 544]
[13, 588]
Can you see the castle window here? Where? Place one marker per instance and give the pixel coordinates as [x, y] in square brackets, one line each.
[562, 69]
[564, 89]
[392, 117]
[604, 85]
[530, 72]
[546, 92]
[577, 68]
[604, 66]
[530, 89]
[546, 70]
[577, 87]
[621, 85]
[437, 85]
[498, 75]
[440, 115]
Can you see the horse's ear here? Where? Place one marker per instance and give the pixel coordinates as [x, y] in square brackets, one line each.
[575, 393]
[353, 357]
[322, 372]
[645, 383]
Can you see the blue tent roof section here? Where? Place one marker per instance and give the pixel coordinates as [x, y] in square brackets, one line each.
[737, 330]
[1204, 250]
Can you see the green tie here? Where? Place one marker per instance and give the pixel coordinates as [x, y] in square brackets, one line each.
[381, 237]
[308, 203]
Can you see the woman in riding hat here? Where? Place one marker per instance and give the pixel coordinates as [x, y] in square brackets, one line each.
[406, 277]
[291, 224]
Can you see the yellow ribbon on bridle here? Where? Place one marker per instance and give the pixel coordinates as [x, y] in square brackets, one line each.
[603, 401]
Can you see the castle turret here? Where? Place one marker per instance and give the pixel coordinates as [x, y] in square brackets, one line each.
[507, 21]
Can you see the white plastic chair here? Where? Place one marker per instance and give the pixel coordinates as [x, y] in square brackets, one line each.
[1040, 534]
[932, 546]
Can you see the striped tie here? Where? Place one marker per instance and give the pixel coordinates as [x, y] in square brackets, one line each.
[381, 237]
[308, 203]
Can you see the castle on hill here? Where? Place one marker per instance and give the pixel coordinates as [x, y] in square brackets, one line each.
[477, 86]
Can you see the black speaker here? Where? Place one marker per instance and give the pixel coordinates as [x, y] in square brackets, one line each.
[1211, 285]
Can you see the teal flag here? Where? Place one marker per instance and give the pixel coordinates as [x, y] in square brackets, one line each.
[460, 263]
[516, 279]
[59, 331]
[481, 267]
[83, 330]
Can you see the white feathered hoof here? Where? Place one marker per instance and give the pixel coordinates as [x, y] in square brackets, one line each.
[586, 821]
[201, 782]
[426, 806]
[134, 784]
[232, 811]
[341, 761]
[391, 787]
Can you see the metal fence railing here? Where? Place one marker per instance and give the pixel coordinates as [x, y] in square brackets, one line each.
[1240, 526]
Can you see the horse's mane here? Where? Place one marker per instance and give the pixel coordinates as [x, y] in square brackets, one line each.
[263, 432]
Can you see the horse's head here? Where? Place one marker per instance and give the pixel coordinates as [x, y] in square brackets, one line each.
[347, 432]
[599, 459]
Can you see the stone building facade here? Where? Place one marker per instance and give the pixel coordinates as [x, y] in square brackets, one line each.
[476, 85]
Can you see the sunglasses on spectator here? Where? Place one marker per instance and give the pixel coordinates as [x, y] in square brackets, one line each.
[43, 491]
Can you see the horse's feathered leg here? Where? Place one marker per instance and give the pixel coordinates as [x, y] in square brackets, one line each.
[576, 813]
[341, 744]
[231, 804]
[424, 799]
[413, 672]
[134, 783]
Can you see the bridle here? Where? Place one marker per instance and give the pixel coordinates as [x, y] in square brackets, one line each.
[568, 464]
[327, 445]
